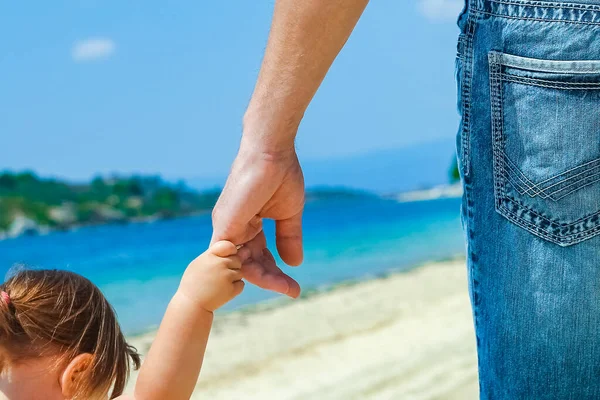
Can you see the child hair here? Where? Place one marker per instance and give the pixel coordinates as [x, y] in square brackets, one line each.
[60, 313]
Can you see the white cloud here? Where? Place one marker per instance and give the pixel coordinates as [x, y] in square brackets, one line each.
[440, 10]
[92, 49]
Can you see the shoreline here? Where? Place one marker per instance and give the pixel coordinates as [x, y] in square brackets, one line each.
[450, 191]
[44, 230]
[435, 193]
[312, 291]
[406, 334]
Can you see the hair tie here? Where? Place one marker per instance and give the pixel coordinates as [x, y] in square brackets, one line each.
[5, 297]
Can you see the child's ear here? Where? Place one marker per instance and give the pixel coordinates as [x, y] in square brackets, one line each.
[74, 374]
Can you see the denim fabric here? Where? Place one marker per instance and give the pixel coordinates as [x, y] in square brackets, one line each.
[528, 75]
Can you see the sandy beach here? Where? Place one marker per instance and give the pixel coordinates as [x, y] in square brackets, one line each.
[406, 336]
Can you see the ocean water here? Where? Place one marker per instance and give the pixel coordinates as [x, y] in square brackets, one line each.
[138, 266]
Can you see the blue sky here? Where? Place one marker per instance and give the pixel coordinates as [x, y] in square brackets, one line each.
[141, 86]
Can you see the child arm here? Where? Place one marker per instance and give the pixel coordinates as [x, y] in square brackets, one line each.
[171, 369]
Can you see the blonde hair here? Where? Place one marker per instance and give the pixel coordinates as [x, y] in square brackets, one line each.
[53, 312]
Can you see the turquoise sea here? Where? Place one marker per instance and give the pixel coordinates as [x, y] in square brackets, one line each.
[138, 266]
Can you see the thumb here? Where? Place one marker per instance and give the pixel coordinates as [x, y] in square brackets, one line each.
[223, 248]
[247, 233]
[288, 233]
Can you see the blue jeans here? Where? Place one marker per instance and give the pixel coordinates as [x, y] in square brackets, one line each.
[528, 75]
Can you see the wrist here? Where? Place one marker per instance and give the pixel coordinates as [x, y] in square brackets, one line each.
[269, 131]
[191, 305]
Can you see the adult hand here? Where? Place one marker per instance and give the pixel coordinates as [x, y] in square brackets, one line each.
[266, 180]
[263, 185]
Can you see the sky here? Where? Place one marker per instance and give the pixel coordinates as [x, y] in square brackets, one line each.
[145, 86]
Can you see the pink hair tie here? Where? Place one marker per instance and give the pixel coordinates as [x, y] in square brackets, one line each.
[5, 297]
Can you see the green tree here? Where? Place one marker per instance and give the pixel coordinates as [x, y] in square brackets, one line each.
[166, 199]
[454, 173]
[8, 181]
[97, 201]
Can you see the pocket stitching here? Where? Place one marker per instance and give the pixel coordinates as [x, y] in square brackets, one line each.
[578, 187]
[551, 66]
[499, 172]
[532, 189]
[560, 240]
[551, 84]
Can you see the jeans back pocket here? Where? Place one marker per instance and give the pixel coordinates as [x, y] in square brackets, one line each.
[546, 145]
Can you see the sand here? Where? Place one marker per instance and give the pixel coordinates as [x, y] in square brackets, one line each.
[405, 336]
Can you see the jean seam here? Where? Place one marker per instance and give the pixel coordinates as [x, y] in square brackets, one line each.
[467, 76]
[461, 47]
[473, 269]
[568, 21]
[497, 121]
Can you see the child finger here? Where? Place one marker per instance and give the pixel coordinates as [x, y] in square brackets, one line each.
[238, 287]
[234, 262]
[235, 275]
[223, 248]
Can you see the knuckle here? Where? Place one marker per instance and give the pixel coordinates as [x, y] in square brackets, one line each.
[289, 235]
[235, 262]
[255, 223]
[215, 261]
[216, 211]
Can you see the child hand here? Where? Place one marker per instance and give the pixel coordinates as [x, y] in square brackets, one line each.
[215, 277]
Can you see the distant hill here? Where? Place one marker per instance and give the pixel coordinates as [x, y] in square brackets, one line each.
[30, 204]
[414, 167]
[28, 201]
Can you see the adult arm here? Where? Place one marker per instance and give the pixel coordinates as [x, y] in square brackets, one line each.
[266, 180]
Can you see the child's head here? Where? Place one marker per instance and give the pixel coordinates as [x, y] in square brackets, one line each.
[58, 331]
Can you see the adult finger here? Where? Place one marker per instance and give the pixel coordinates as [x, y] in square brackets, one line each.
[244, 253]
[272, 268]
[257, 245]
[256, 274]
[262, 271]
[288, 234]
[246, 191]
